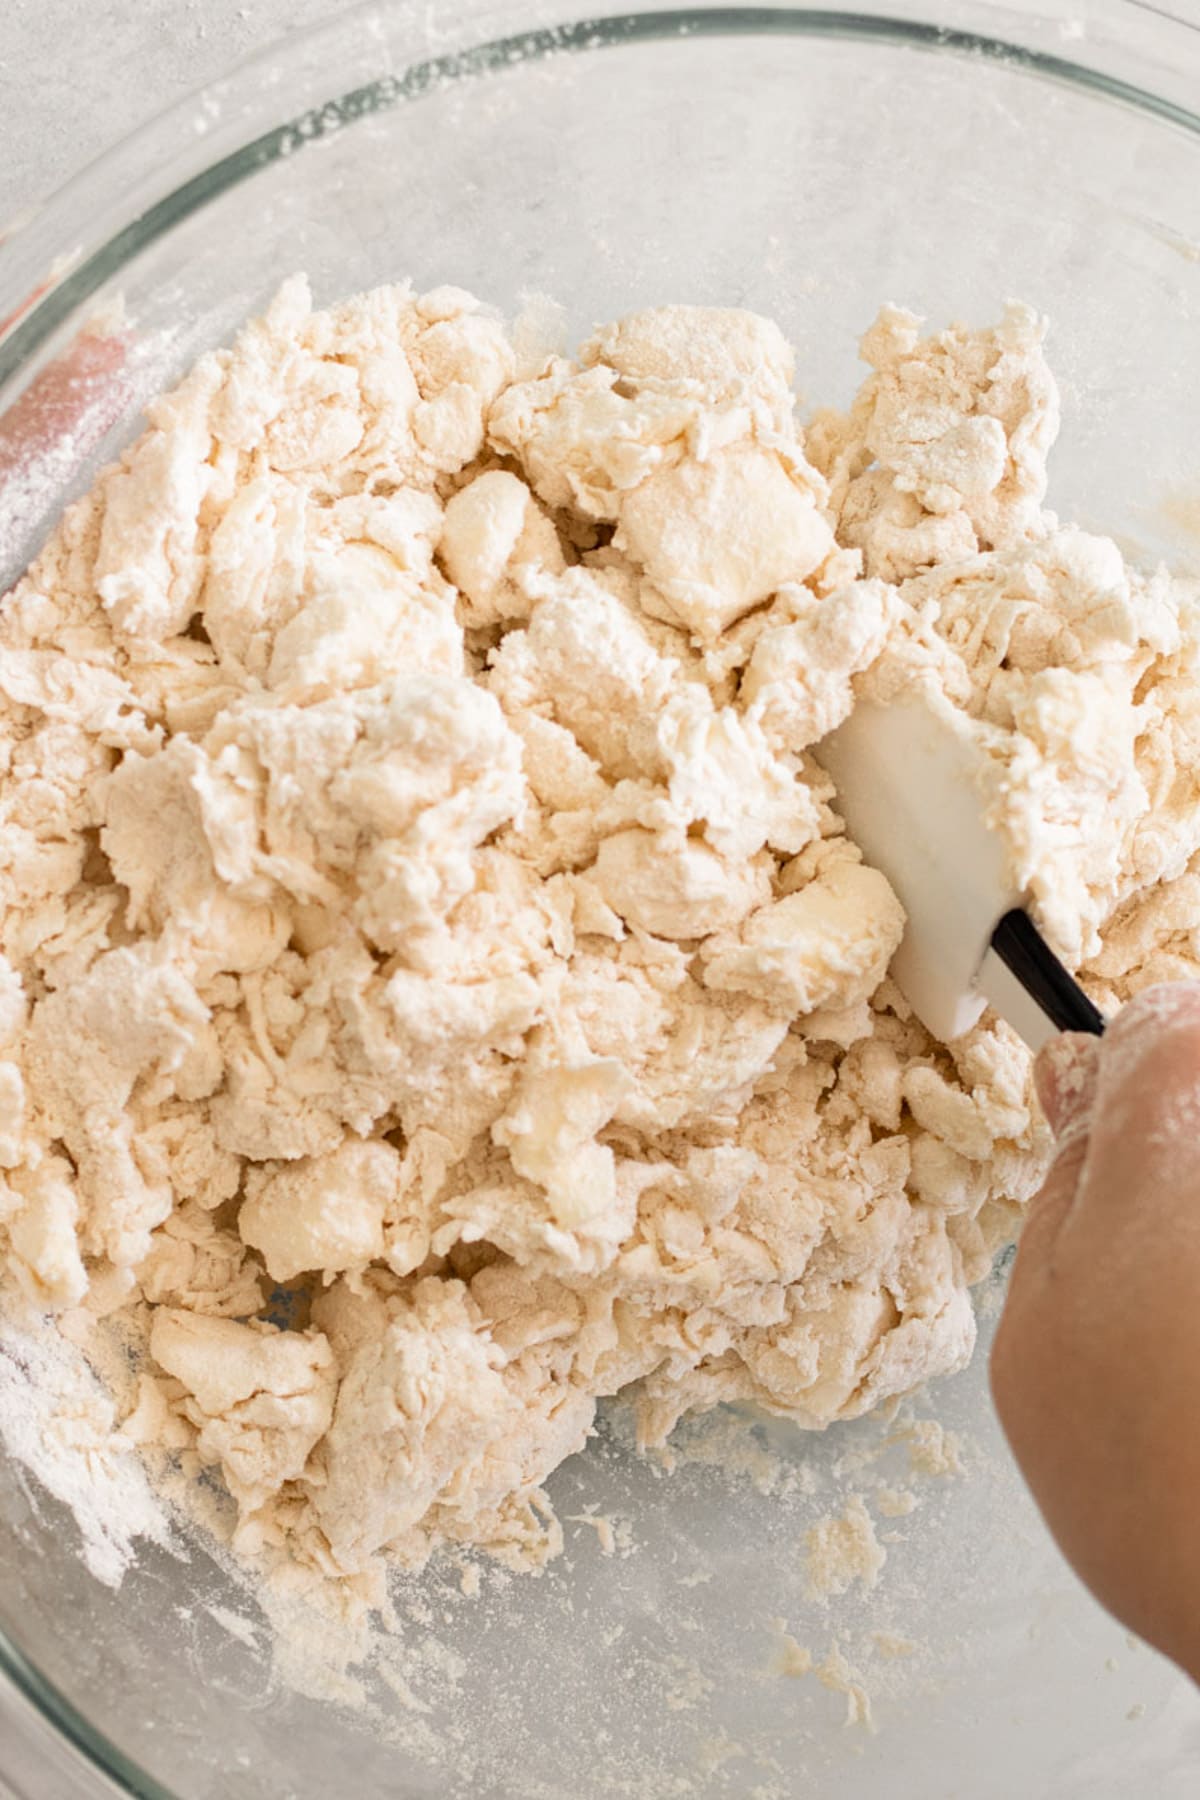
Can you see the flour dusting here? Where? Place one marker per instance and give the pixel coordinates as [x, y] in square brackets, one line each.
[58, 1423]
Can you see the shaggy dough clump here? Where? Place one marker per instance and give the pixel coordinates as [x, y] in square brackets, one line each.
[437, 990]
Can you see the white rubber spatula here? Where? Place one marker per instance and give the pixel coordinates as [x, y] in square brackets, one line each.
[911, 792]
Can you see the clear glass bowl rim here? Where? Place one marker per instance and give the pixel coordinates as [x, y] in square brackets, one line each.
[36, 305]
[41, 288]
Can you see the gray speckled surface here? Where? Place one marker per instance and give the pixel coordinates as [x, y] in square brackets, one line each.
[127, 59]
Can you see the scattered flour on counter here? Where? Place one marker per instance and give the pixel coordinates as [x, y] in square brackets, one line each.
[243, 1629]
[735, 1442]
[437, 992]
[688, 1686]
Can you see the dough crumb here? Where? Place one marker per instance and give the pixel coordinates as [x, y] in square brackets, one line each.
[788, 1658]
[892, 1645]
[932, 1449]
[833, 1671]
[894, 1503]
[603, 1527]
[841, 1677]
[841, 1550]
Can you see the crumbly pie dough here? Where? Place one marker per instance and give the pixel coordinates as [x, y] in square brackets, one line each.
[437, 991]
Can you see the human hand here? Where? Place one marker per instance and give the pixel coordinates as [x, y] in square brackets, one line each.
[1096, 1365]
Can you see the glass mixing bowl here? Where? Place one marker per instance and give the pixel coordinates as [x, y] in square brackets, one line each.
[810, 164]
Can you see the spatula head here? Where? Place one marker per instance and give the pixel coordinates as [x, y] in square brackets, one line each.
[912, 789]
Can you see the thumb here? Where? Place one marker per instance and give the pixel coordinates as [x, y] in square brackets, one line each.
[1065, 1075]
[1145, 1123]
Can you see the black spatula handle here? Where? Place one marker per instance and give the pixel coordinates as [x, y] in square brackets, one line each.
[1029, 959]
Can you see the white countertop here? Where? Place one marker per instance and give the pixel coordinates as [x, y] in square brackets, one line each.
[128, 59]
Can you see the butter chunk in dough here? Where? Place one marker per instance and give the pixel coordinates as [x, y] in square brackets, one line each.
[324, 1213]
[675, 886]
[550, 1133]
[718, 537]
[494, 538]
[827, 946]
[582, 442]
[362, 618]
